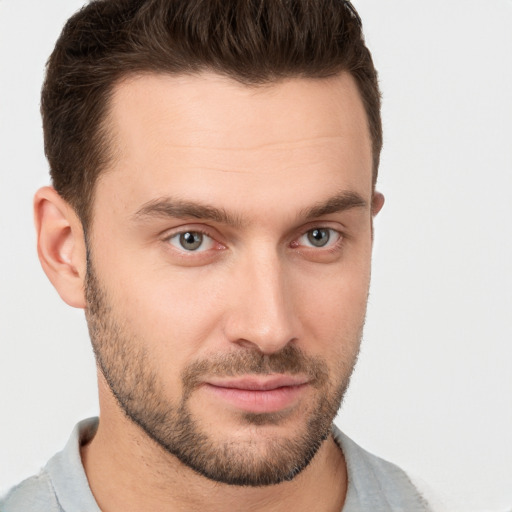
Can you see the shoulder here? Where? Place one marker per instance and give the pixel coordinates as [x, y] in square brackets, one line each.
[61, 485]
[36, 494]
[376, 484]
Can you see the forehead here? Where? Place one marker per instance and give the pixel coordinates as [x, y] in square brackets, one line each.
[220, 107]
[229, 140]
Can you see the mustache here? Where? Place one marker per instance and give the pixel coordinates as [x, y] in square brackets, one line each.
[289, 360]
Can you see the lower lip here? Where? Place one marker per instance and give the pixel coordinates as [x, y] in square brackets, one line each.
[259, 401]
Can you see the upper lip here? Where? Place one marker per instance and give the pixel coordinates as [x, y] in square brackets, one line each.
[258, 382]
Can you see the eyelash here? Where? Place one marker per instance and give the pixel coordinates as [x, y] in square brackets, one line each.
[330, 244]
[201, 232]
[330, 248]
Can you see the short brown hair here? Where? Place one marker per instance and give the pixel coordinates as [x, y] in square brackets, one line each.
[252, 41]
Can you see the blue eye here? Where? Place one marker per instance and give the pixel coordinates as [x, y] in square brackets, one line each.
[320, 237]
[191, 241]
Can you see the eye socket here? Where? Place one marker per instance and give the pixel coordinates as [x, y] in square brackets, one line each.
[191, 241]
[320, 238]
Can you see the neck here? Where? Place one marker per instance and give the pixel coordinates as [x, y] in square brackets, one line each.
[128, 471]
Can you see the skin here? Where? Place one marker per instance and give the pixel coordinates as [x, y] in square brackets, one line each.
[279, 161]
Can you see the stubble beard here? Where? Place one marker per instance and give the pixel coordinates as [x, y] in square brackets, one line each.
[126, 367]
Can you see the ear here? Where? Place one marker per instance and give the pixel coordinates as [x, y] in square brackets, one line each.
[377, 203]
[61, 245]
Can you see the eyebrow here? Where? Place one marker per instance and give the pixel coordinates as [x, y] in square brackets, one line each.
[167, 207]
[176, 208]
[340, 202]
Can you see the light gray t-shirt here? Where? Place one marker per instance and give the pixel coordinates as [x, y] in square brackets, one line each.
[374, 485]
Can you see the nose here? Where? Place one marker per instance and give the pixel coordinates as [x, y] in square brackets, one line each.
[262, 312]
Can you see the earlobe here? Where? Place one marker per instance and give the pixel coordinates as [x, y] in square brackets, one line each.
[60, 245]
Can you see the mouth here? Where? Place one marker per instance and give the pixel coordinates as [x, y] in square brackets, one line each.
[259, 394]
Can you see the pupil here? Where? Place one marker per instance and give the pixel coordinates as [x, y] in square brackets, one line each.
[318, 237]
[191, 241]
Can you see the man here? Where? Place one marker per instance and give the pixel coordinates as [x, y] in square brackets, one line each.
[214, 168]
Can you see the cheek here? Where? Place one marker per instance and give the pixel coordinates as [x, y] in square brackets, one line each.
[171, 312]
[333, 307]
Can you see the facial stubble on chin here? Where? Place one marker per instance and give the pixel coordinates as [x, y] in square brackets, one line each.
[125, 365]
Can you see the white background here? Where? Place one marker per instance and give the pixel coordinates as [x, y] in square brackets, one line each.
[433, 387]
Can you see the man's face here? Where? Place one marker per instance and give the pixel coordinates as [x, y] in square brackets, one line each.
[229, 265]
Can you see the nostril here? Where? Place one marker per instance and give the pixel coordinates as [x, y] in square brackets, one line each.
[266, 346]
[247, 344]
